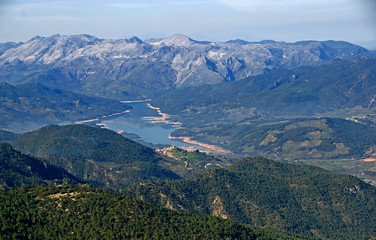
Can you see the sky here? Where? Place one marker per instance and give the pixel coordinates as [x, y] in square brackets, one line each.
[211, 20]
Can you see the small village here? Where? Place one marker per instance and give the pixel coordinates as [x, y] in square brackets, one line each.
[169, 151]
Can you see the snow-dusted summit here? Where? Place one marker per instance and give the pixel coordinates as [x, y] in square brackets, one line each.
[132, 68]
[177, 40]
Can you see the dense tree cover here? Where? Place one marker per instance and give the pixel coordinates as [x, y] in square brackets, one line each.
[99, 156]
[83, 142]
[73, 212]
[297, 198]
[18, 170]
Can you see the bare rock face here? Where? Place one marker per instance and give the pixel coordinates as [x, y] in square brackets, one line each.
[133, 69]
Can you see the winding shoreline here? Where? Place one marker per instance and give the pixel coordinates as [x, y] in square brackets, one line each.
[204, 145]
[104, 116]
[163, 119]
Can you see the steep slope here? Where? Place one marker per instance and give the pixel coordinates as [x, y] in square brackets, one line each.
[18, 170]
[134, 69]
[8, 45]
[304, 91]
[27, 106]
[70, 212]
[296, 198]
[98, 156]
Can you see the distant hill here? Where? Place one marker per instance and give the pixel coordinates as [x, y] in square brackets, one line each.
[297, 198]
[27, 106]
[295, 139]
[6, 136]
[320, 138]
[17, 170]
[98, 156]
[134, 69]
[71, 212]
[335, 144]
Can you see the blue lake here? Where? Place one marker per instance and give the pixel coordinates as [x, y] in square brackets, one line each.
[132, 122]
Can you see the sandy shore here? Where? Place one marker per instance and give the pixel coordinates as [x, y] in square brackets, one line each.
[104, 116]
[369, 159]
[162, 119]
[136, 101]
[208, 147]
[87, 121]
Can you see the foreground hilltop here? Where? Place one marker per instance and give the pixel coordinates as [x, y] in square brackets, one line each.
[72, 212]
[299, 199]
[132, 68]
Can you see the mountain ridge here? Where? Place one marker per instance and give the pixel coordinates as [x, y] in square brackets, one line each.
[135, 69]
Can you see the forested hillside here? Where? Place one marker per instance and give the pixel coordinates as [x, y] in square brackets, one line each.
[99, 156]
[72, 212]
[297, 198]
[17, 170]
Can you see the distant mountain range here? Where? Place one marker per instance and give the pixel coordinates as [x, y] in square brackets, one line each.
[134, 69]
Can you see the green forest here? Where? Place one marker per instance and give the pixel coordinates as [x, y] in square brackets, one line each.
[297, 198]
[74, 212]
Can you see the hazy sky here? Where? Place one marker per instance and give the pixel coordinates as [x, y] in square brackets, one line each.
[214, 20]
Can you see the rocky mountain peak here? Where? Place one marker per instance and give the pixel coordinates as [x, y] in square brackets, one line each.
[134, 39]
[238, 41]
[178, 40]
[178, 61]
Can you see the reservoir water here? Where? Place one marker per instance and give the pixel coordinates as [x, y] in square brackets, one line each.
[134, 122]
